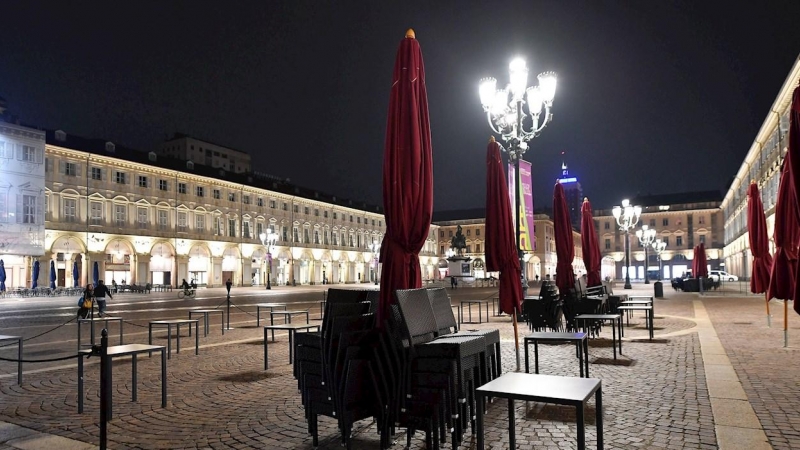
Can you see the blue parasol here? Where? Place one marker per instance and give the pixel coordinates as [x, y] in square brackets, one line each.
[75, 274]
[96, 273]
[2, 276]
[52, 274]
[35, 278]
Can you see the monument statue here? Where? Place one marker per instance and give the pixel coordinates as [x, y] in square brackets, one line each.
[458, 242]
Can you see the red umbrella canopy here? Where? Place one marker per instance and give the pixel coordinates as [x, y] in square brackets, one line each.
[501, 244]
[702, 261]
[794, 166]
[590, 246]
[565, 246]
[759, 243]
[784, 264]
[407, 175]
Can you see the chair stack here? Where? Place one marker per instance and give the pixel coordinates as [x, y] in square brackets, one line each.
[545, 311]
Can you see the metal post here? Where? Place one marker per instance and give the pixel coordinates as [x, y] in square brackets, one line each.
[646, 264]
[269, 267]
[229, 311]
[627, 260]
[105, 389]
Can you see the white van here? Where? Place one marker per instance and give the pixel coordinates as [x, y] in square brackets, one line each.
[721, 275]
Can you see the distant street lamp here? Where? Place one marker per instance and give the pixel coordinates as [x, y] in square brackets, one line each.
[375, 248]
[659, 247]
[268, 240]
[646, 237]
[508, 118]
[627, 217]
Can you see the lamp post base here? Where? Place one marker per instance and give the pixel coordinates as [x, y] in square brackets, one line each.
[646, 281]
[268, 285]
[627, 285]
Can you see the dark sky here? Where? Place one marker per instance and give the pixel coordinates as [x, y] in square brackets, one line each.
[653, 97]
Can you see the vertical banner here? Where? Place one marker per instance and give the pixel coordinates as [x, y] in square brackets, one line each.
[525, 206]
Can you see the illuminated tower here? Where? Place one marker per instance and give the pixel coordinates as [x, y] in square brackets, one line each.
[574, 194]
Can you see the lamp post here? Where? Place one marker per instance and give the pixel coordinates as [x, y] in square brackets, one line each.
[627, 217]
[375, 248]
[268, 240]
[646, 237]
[659, 247]
[507, 117]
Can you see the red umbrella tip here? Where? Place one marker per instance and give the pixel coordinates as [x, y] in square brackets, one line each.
[491, 139]
[410, 34]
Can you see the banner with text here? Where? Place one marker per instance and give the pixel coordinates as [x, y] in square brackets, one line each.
[527, 240]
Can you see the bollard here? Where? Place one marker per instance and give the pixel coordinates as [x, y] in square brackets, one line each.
[658, 289]
[105, 389]
[229, 311]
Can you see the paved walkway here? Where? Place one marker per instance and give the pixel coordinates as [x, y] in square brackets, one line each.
[715, 377]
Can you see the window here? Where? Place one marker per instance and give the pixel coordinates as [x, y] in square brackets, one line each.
[97, 173]
[316, 236]
[218, 226]
[373, 222]
[163, 220]
[316, 212]
[96, 213]
[469, 232]
[71, 169]
[246, 229]
[199, 222]
[28, 209]
[260, 202]
[246, 199]
[231, 197]
[306, 240]
[450, 233]
[607, 226]
[351, 239]
[284, 233]
[335, 215]
[325, 214]
[162, 185]
[478, 232]
[305, 210]
[441, 249]
[701, 220]
[295, 208]
[295, 235]
[652, 222]
[666, 241]
[70, 210]
[285, 206]
[28, 154]
[380, 223]
[351, 218]
[608, 243]
[142, 181]
[181, 188]
[232, 227]
[469, 249]
[119, 177]
[441, 233]
[272, 204]
[259, 229]
[679, 241]
[200, 191]
[216, 194]
[665, 222]
[182, 224]
[477, 248]
[325, 235]
[702, 238]
[119, 215]
[335, 238]
[141, 217]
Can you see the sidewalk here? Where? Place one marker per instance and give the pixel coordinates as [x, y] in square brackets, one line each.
[691, 387]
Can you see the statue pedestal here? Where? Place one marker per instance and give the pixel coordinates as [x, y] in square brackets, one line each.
[459, 266]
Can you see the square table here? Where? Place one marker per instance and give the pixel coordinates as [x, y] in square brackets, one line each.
[205, 313]
[648, 311]
[580, 340]
[568, 391]
[125, 350]
[19, 353]
[91, 321]
[616, 321]
[287, 317]
[177, 323]
[270, 306]
[292, 329]
[469, 304]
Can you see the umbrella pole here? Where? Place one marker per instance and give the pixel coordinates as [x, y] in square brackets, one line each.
[516, 338]
[769, 319]
[785, 323]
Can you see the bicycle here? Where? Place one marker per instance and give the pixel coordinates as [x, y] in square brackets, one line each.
[187, 293]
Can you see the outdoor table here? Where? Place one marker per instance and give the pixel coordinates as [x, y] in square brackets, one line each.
[98, 319]
[496, 306]
[580, 340]
[4, 338]
[287, 317]
[205, 313]
[616, 321]
[177, 323]
[292, 329]
[271, 307]
[469, 304]
[125, 350]
[569, 391]
[648, 311]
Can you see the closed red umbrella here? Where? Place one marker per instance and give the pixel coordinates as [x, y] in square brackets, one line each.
[793, 161]
[501, 241]
[407, 175]
[565, 246]
[702, 262]
[759, 244]
[590, 246]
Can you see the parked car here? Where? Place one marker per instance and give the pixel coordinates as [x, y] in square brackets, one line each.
[721, 275]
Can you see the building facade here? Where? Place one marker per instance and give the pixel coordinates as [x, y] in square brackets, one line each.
[682, 221]
[187, 148]
[147, 218]
[762, 165]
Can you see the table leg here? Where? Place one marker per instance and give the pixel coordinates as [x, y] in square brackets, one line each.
[580, 356]
[581, 426]
[291, 336]
[614, 337]
[527, 357]
[178, 332]
[479, 425]
[19, 364]
[163, 379]
[133, 377]
[79, 334]
[190, 328]
[120, 332]
[266, 358]
[109, 385]
[196, 338]
[586, 355]
[205, 325]
[80, 384]
[307, 322]
[487, 312]
[169, 341]
[536, 356]
[222, 315]
[598, 398]
[150, 338]
[620, 335]
[512, 439]
[272, 322]
[652, 313]
[258, 317]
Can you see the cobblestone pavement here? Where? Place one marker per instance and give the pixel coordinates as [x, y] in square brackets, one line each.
[655, 394]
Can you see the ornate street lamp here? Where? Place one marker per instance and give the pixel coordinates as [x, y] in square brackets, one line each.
[375, 248]
[659, 247]
[268, 240]
[627, 217]
[646, 237]
[506, 112]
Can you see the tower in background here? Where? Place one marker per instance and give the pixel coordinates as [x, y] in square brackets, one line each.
[574, 194]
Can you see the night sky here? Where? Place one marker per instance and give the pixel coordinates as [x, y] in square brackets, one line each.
[653, 97]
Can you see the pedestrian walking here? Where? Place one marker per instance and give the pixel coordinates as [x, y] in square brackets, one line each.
[100, 293]
[452, 282]
[86, 301]
[228, 285]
